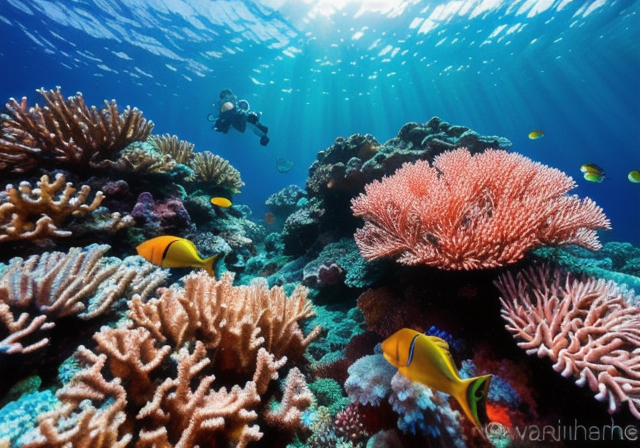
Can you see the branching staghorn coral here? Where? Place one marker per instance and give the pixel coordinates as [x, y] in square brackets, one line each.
[178, 404]
[213, 169]
[234, 320]
[590, 329]
[81, 282]
[66, 134]
[180, 150]
[49, 205]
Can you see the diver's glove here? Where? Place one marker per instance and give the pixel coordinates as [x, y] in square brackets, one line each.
[264, 140]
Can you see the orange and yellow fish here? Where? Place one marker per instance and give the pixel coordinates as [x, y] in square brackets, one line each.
[221, 202]
[174, 252]
[426, 359]
[535, 135]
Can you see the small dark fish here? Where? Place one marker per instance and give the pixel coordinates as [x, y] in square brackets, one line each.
[283, 165]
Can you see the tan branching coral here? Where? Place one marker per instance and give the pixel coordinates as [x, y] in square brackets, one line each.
[35, 213]
[94, 427]
[81, 282]
[177, 404]
[66, 133]
[297, 397]
[138, 159]
[213, 169]
[590, 329]
[180, 150]
[234, 320]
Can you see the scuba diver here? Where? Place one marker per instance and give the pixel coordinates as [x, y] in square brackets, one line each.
[237, 113]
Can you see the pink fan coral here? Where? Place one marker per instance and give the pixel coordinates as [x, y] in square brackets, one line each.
[473, 211]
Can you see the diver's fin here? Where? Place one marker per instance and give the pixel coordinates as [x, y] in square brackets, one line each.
[211, 264]
[475, 400]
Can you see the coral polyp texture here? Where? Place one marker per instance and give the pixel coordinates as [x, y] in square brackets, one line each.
[590, 329]
[234, 320]
[83, 282]
[66, 133]
[35, 213]
[212, 169]
[180, 150]
[130, 392]
[473, 211]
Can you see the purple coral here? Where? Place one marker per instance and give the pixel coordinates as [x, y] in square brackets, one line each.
[160, 215]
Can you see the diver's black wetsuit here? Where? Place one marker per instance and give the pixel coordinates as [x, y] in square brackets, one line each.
[232, 112]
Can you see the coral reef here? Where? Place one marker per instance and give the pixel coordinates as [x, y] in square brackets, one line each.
[285, 201]
[208, 328]
[341, 262]
[372, 379]
[473, 212]
[179, 150]
[342, 170]
[37, 291]
[588, 328]
[212, 169]
[66, 134]
[235, 321]
[142, 159]
[49, 205]
[167, 216]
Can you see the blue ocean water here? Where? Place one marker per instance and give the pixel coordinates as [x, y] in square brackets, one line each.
[327, 68]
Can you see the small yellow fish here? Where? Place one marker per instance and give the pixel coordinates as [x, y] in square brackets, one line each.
[426, 359]
[535, 135]
[221, 202]
[592, 168]
[174, 252]
[634, 176]
[591, 177]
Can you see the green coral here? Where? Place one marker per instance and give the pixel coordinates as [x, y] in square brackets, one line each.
[329, 393]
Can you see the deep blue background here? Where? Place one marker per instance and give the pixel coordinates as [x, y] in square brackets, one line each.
[571, 69]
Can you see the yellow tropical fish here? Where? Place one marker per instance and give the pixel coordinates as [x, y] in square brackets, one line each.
[535, 135]
[592, 168]
[634, 176]
[426, 359]
[174, 252]
[221, 202]
[591, 177]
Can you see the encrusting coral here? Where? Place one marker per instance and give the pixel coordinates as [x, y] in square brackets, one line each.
[590, 329]
[154, 403]
[37, 291]
[473, 211]
[66, 134]
[49, 205]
